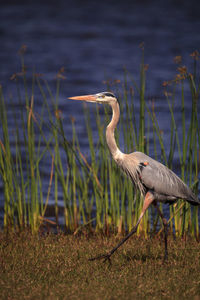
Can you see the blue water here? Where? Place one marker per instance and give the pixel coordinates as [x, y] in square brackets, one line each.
[94, 41]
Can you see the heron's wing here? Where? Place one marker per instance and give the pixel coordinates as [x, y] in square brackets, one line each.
[156, 177]
[164, 181]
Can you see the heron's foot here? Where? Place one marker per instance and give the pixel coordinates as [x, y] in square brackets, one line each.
[165, 257]
[105, 257]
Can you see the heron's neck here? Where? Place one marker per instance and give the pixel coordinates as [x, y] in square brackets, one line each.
[110, 137]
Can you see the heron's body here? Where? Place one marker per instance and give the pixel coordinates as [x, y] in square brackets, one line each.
[146, 173]
[154, 180]
[149, 175]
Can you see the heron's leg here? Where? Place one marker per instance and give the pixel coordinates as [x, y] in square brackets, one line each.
[165, 229]
[149, 198]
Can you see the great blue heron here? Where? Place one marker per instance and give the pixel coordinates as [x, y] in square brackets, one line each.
[155, 181]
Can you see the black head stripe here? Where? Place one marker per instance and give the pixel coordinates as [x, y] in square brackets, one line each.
[108, 94]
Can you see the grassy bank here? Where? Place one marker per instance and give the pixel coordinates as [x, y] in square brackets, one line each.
[57, 267]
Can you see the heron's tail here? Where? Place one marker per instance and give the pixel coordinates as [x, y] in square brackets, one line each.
[193, 200]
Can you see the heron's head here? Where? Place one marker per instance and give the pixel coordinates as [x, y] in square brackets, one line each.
[104, 97]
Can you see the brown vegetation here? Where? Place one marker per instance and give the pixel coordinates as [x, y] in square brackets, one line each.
[56, 267]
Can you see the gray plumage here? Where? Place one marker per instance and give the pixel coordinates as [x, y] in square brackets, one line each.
[154, 176]
[155, 181]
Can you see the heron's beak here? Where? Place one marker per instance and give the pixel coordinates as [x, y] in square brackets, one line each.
[88, 98]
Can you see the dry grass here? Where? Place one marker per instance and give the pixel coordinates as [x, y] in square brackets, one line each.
[56, 267]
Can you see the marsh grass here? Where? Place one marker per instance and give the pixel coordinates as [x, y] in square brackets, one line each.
[95, 193]
[56, 267]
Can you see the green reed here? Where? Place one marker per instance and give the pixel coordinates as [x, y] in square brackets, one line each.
[20, 171]
[95, 193]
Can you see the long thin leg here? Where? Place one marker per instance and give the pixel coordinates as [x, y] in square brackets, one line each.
[147, 201]
[165, 229]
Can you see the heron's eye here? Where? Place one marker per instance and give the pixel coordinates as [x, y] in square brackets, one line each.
[102, 96]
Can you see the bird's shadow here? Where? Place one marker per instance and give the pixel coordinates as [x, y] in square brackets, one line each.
[141, 257]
